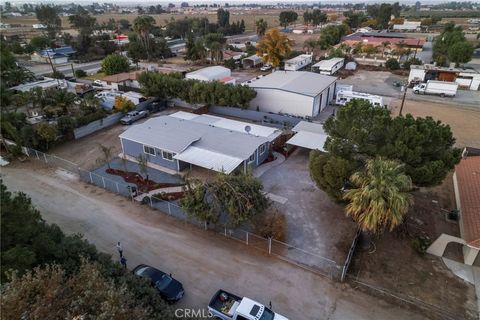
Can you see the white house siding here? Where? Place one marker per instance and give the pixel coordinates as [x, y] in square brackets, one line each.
[278, 101]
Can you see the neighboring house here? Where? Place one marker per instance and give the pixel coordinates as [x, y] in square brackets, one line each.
[467, 78]
[297, 93]
[252, 61]
[377, 38]
[329, 66]
[298, 62]
[214, 73]
[408, 26]
[466, 184]
[181, 140]
[108, 97]
[44, 84]
[56, 55]
[120, 80]
[176, 45]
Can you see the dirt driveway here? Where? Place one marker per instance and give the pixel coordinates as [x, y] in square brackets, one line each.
[314, 222]
[203, 261]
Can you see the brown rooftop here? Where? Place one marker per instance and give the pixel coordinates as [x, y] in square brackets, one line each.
[121, 77]
[468, 179]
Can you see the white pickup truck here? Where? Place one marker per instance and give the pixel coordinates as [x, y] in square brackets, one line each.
[133, 116]
[441, 88]
[227, 306]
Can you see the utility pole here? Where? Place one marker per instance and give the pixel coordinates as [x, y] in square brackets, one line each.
[73, 71]
[403, 98]
[51, 64]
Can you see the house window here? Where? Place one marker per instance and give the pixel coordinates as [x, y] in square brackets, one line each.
[167, 155]
[149, 150]
[252, 158]
[262, 149]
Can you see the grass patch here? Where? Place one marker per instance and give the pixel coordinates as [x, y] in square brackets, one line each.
[95, 76]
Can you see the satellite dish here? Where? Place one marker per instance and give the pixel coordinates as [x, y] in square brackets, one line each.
[248, 129]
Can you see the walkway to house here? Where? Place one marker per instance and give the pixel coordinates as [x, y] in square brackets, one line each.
[261, 169]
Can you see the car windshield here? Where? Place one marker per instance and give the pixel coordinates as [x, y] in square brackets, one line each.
[267, 314]
[164, 282]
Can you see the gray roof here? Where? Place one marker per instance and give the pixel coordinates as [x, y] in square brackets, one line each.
[176, 135]
[301, 82]
[309, 126]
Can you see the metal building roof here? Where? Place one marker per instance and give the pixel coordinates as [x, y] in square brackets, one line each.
[328, 64]
[309, 135]
[301, 82]
[209, 73]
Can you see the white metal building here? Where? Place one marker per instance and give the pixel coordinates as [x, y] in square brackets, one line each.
[345, 96]
[298, 62]
[329, 66]
[214, 73]
[298, 93]
[308, 135]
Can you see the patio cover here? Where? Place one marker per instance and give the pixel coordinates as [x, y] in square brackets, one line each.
[308, 135]
[209, 159]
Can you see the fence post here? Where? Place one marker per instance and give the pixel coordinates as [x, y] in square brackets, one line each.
[206, 226]
[91, 178]
[45, 157]
[269, 245]
[151, 201]
[116, 183]
[104, 186]
[169, 210]
[36, 152]
[225, 231]
[247, 237]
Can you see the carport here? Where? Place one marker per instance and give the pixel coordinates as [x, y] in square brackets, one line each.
[252, 61]
[308, 135]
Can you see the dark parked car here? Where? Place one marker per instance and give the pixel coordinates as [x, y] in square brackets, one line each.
[170, 289]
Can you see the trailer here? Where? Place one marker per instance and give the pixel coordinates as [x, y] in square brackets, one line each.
[329, 67]
[343, 97]
[441, 88]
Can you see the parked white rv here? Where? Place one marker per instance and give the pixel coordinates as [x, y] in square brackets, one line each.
[441, 88]
[345, 96]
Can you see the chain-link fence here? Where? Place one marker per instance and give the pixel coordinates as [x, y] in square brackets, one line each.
[289, 253]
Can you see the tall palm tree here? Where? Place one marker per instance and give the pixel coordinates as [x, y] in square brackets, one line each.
[142, 25]
[64, 99]
[385, 46]
[261, 26]
[381, 198]
[274, 47]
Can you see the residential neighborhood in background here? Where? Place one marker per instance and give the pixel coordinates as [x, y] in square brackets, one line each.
[333, 141]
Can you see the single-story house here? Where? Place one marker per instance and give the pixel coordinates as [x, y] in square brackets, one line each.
[181, 140]
[252, 61]
[377, 38]
[308, 135]
[56, 55]
[408, 26]
[44, 84]
[466, 184]
[125, 79]
[329, 66]
[297, 93]
[298, 62]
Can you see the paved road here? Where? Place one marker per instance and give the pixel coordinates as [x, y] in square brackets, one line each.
[203, 261]
[44, 69]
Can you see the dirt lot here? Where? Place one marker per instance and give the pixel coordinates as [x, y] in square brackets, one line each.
[464, 122]
[394, 264]
[202, 261]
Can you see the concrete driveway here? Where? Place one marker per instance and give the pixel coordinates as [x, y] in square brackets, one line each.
[203, 261]
[314, 222]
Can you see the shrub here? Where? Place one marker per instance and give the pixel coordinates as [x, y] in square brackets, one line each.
[392, 64]
[79, 73]
[272, 224]
[86, 119]
[421, 244]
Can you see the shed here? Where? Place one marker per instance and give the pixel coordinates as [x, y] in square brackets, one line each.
[297, 93]
[252, 61]
[351, 66]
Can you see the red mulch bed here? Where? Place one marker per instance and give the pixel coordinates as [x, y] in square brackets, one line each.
[142, 184]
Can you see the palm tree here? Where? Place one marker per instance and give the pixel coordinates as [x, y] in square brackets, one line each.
[216, 52]
[381, 197]
[107, 154]
[142, 25]
[385, 46]
[261, 26]
[274, 47]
